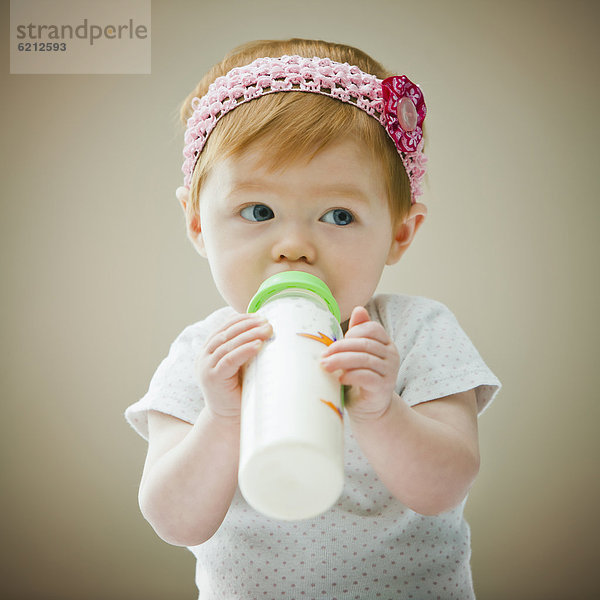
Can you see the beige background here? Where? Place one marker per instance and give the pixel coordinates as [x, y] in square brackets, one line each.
[98, 278]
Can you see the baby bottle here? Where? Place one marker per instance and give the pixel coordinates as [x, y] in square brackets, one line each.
[291, 445]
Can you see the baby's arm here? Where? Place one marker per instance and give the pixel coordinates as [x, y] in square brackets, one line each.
[427, 456]
[190, 475]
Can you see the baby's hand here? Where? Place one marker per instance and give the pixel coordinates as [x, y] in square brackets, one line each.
[218, 366]
[369, 362]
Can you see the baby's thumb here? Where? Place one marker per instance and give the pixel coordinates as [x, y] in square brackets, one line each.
[359, 315]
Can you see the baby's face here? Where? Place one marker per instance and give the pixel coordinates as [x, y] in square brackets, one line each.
[328, 217]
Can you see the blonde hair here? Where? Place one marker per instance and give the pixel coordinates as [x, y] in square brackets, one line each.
[295, 125]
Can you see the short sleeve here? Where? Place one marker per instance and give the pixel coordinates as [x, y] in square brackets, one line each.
[173, 389]
[437, 357]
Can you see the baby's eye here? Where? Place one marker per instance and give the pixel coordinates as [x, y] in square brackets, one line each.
[257, 212]
[338, 216]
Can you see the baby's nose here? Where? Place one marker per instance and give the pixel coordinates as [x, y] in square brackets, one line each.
[294, 245]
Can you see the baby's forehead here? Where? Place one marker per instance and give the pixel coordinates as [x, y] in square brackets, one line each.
[332, 160]
[343, 167]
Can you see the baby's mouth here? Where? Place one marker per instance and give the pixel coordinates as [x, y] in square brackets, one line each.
[291, 267]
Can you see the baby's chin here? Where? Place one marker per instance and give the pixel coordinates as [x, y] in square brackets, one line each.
[236, 299]
[239, 305]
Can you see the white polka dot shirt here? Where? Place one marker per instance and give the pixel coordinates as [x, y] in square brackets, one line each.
[369, 545]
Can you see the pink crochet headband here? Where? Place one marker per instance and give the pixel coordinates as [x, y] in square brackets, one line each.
[395, 102]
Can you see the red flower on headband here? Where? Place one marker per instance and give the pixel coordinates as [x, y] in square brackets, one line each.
[404, 112]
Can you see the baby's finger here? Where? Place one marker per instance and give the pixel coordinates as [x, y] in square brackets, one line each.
[365, 345]
[237, 326]
[347, 361]
[360, 378]
[230, 363]
[260, 332]
[359, 315]
[369, 329]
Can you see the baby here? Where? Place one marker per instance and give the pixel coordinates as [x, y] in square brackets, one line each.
[306, 155]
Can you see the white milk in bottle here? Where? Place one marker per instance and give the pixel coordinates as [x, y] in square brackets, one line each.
[291, 444]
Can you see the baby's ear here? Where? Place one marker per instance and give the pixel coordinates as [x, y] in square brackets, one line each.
[404, 232]
[192, 219]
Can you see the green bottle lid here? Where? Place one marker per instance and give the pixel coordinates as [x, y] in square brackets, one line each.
[293, 279]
